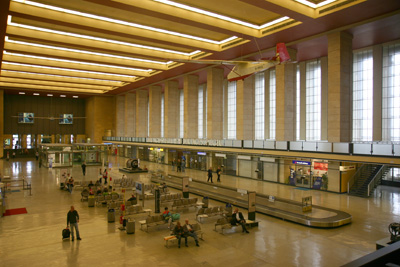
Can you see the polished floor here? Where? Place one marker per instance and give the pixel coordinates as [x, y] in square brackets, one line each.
[34, 239]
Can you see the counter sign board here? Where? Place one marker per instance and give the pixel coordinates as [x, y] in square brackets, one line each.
[307, 204]
[299, 162]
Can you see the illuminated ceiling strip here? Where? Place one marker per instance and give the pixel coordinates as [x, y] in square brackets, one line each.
[64, 69]
[86, 52]
[56, 83]
[99, 39]
[53, 75]
[74, 61]
[52, 88]
[121, 22]
[307, 3]
[222, 17]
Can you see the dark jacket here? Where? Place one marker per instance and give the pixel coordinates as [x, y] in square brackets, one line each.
[179, 231]
[72, 217]
[209, 173]
[234, 221]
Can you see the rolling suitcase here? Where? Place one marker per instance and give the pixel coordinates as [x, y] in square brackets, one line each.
[65, 233]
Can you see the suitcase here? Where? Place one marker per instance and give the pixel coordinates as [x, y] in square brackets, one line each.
[130, 227]
[65, 233]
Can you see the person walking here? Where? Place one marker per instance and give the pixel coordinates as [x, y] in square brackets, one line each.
[73, 220]
[84, 168]
[179, 166]
[183, 165]
[219, 174]
[173, 164]
[70, 184]
[37, 155]
[210, 175]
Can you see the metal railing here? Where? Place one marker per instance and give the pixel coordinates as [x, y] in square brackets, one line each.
[356, 176]
[377, 178]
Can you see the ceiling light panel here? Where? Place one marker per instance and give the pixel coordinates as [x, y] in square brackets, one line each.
[58, 51]
[48, 88]
[92, 41]
[92, 20]
[59, 84]
[59, 78]
[64, 71]
[55, 62]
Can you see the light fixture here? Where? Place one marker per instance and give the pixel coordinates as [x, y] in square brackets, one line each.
[120, 22]
[63, 96]
[9, 22]
[21, 93]
[36, 94]
[75, 96]
[85, 52]
[75, 61]
[310, 4]
[72, 77]
[49, 95]
[64, 69]
[222, 17]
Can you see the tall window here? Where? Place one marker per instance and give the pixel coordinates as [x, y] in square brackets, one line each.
[259, 105]
[313, 100]
[298, 103]
[362, 95]
[162, 115]
[232, 110]
[206, 113]
[200, 113]
[272, 104]
[148, 117]
[391, 93]
[181, 115]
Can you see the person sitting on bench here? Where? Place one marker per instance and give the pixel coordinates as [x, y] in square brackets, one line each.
[188, 228]
[237, 218]
[179, 233]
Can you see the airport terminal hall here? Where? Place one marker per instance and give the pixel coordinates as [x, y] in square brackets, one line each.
[200, 133]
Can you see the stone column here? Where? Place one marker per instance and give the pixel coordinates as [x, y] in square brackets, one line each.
[191, 104]
[2, 123]
[171, 109]
[119, 115]
[340, 60]
[155, 111]
[130, 115]
[245, 109]
[215, 81]
[285, 102]
[141, 113]
[377, 93]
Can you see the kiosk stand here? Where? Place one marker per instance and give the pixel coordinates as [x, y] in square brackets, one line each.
[252, 206]
[185, 187]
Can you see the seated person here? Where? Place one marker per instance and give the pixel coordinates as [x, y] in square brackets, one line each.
[166, 214]
[133, 200]
[91, 191]
[98, 192]
[105, 190]
[188, 229]
[237, 218]
[179, 233]
[90, 184]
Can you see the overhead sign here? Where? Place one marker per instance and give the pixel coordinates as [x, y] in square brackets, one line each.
[299, 162]
[347, 168]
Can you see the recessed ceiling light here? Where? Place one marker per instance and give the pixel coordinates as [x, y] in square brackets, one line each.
[49, 95]
[63, 96]
[75, 96]
[21, 93]
[36, 94]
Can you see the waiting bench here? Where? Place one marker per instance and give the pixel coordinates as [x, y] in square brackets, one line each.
[196, 229]
[185, 203]
[214, 211]
[224, 223]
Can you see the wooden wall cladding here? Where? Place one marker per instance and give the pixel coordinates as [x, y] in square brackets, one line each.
[43, 107]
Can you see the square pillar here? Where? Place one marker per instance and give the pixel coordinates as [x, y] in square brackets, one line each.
[155, 111]
[119, 115]
[130, 115]
[245, 109]
[171, 109]
[141, 113]
[340, 63]
[215, 82]
[191, 103]
[286, 102]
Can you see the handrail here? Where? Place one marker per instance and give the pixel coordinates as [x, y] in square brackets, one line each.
[372, 184]
[351, 181]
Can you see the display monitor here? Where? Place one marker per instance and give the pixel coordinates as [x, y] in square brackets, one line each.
[26, 117]
[66, 119]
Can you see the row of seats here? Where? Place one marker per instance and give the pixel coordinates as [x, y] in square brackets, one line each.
[154, 220]
[170, 197]
[214, 211]
[131, 210]
[185, 203]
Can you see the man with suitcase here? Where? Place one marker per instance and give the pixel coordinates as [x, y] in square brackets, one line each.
[73, 220]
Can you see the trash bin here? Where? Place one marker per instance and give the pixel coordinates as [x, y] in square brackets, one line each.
[111, 215]
[91, 201]
[205, 202]
[130, 227]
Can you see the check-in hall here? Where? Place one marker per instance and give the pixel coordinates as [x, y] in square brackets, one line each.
[203, 133]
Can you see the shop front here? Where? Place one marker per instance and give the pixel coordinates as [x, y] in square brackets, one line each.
[309, 174]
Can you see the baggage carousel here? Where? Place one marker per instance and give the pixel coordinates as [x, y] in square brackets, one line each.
[284, 209]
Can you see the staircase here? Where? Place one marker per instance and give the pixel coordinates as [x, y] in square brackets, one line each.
[367, 175]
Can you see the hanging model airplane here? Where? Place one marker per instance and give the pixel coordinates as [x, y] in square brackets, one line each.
[244, 69]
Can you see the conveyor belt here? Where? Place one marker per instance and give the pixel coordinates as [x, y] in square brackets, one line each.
[281, 208]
